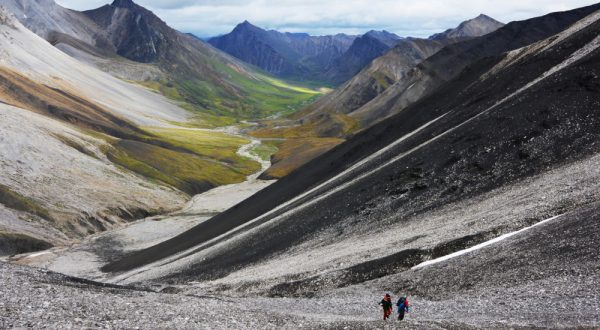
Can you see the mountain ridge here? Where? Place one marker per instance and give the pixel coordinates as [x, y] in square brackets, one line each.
[216, 87]
[480, 25]
[437, 69]
[291, 55]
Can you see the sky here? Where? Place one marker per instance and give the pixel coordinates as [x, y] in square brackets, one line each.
[417, 18]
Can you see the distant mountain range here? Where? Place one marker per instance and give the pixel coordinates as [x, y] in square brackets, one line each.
[290, 55]
[331, 59]
[364, 99]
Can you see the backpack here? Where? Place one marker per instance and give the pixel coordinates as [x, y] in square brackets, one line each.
[401, 302]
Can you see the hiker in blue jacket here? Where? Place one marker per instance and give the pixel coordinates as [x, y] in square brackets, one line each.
[402, 307]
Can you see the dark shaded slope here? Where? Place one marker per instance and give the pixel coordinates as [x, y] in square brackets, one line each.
[476, 147]
[136, 32]
[456, 144]
[362, 52]
[378, 76]
[451, 60]
[421, 80]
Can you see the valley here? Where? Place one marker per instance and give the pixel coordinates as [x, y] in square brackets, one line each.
[280, 180]
[110, 129]
[89, 255]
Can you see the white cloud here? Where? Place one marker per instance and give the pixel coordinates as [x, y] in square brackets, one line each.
[404, 17]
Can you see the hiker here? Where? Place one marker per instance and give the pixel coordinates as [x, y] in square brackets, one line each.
[386, 303]
[402, 307]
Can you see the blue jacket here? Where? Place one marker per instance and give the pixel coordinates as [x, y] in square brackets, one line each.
[402, 305]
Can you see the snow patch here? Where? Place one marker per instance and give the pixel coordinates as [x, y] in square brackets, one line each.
[482, 245]
[33, 255]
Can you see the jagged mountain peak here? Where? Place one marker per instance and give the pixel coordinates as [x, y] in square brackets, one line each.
[382, 33]
[387, 38]
[246, 26]
[481, 19]
[475, 27]
[128, 4]
[384, 37]
[137, 33]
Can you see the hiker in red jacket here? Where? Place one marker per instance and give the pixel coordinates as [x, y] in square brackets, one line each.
[386, 303]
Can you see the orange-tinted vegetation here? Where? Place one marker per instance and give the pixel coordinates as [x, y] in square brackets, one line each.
[20, 91]
[296, 152]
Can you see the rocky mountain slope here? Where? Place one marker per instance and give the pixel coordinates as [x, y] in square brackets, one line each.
[290, 55]
[131, 42]
[47, 99]
[374, 95]
[74, 33]
[508, 143]
[83, 151]
[363, 50]
[374, 44]
[346, 110]
[25, 53]
[478, 26]
[480, 201]
[46, 18]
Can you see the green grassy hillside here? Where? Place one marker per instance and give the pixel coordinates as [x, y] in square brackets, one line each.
[190, 160]
[257, 97]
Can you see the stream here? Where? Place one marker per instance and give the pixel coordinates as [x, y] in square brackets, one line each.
[84, 259]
